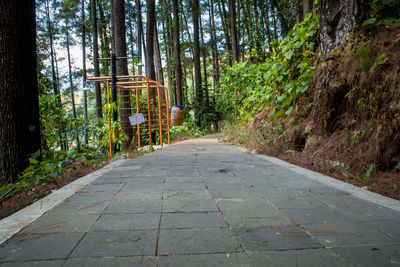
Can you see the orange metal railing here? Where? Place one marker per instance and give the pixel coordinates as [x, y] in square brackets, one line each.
[150, 99]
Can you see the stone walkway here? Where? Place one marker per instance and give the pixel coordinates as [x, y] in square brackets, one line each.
[203, 203]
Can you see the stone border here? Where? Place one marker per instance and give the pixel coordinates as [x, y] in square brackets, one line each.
[12, 224]
[324, 179]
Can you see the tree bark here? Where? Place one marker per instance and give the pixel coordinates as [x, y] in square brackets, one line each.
[338, 19]
[150, 27]
[214, 44]
[122, 68]
[196, 60]
[19, 105]
[96, 65]
[71, 85]
[84, 77]
[177, 54]
[139, 30]
[232, 15]
[204, 56]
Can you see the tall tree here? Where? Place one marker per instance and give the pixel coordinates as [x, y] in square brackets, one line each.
[196, 60]
[84, 75]
[214, 43]
[122, 67]
[232, 15]
[139, 29]
[150, 27]
[177, 54]
[19, 105]
[96, 64]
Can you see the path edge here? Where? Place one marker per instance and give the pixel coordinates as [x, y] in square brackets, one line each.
[327, 180]
[14, 223]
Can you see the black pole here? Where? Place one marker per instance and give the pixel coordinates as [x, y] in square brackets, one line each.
[114, 95]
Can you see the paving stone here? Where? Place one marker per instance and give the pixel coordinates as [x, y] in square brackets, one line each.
[101, 187]
[192, 179]
[192, 220]
[346, 233]
[229, 190]
[109, 180]
[187, 205]
[144, 180]
[113, 261]
[312, 215]
[134, 206]
[206, 260]
[295, 201]
[276, 238]
[389, 227]
[44, 263]
[304, 257]
[196, 241]
[108, 244]
[63, 223]
[127, 222]
[186, 172]
[357, 208]
[68, 207]
[186, 194]
[184, 186]
[90, 197]
[39, 246]
[250, 212]
[371, 256]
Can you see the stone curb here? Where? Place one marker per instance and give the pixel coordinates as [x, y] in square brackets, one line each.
[12, 224]
[324, 179]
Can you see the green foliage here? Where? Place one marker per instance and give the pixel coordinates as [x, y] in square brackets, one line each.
[395, 189]
[387, 11]
[275, 84]
[368, 174]
[40, 171]
[188, 130]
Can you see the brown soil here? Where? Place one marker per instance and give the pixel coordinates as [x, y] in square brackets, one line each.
[26, 198]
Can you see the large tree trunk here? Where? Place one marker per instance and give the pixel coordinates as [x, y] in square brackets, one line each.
[177, 55]
[19, 105]
[96, 64]
[204, 56]
[122, 68]
[281, 17]
[337, 19]
[157, 59]
[196, 60]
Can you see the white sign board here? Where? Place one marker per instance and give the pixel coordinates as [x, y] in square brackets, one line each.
[136, 119]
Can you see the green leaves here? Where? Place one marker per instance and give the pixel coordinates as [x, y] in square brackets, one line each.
[276, 83]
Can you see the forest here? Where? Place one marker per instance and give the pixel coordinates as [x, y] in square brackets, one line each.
[313, 82]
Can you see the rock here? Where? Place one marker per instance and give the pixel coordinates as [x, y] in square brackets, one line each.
[312, 140]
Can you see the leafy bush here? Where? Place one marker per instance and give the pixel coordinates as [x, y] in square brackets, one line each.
[275, 84]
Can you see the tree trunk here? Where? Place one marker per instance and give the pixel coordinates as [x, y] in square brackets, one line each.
[196, 60]
[104, 41]
[84, 77]
[19, 105]
[150, 26]
[337, 19]
[298, 5]
[139, 30]
[157, 59]
[225, 27]
[213, 35]
[177, 54]
[96, 64]
[122, 68]
[71, 85]
[232, 14]
[204, 56]
[308, 6]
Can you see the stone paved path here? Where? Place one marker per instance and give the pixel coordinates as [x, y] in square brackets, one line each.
[202, 203]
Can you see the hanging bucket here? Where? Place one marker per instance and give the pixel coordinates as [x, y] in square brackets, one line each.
[177, 115]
